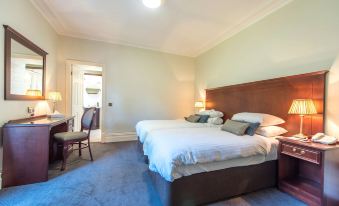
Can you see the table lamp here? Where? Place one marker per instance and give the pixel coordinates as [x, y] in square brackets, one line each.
[302, 107]
[199, 105]
[55, 97]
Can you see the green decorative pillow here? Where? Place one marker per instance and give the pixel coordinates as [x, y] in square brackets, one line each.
[237, 128]
[193, 118]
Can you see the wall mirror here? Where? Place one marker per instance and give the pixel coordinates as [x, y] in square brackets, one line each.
[25, 68]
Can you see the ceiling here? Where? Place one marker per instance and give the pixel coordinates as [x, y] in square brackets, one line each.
[183, 27]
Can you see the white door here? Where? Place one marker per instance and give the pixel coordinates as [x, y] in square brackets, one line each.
[77, 95]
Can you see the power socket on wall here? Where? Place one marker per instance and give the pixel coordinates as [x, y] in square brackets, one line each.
[30, 111]
[110, 104]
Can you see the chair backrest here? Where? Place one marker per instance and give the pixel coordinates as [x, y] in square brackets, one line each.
[88, 118]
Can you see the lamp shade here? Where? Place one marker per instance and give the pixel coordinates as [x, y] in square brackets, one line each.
[199, 104]
[54, 96]
[302, 107]
[33, 92]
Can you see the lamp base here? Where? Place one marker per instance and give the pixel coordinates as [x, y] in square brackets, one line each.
[300, 135]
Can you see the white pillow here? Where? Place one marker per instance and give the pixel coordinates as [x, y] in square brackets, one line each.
[215, 120]
[271, 131]
[263, 119]
[212, 113]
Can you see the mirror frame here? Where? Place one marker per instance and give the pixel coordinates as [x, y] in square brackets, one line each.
[10, 34]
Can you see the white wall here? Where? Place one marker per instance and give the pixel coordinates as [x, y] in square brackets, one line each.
[332, 107]
[24, 18]
[141, 84]
[301, 37]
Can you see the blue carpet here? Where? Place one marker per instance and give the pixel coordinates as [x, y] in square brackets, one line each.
[118, 176]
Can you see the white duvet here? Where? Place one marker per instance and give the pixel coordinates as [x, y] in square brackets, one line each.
[143, 128]
[171, 148]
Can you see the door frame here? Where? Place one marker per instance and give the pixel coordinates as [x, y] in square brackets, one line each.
[68, 87]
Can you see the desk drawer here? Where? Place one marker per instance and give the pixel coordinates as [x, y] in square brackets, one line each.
[307, 154]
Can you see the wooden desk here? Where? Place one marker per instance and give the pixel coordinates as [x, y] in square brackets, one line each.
[28, 148]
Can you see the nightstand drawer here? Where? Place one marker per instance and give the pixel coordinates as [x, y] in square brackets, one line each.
[307, 154]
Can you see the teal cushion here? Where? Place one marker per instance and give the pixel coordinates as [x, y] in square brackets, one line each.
[203, 118]
[251, 128]
[69, 136]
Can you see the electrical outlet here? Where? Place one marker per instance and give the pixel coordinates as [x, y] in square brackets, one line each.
[110, 104]
[30, 111]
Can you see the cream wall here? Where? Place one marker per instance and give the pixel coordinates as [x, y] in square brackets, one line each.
[141, 84]
[301, 37]
[23, 17]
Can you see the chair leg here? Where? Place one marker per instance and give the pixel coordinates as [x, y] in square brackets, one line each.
[90, 151]
[79, 148]
[64, 156]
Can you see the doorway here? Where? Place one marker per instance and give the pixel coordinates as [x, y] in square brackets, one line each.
[86, 91]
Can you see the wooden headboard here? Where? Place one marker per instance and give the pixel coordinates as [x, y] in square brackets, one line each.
[274, 97]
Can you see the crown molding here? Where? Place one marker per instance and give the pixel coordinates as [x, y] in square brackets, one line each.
[49, 15]
[251, 19]
[60, 29]
[265, 10]
[127, 44]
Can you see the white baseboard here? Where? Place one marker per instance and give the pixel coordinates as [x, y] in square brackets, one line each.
[96, 139]
[96, 135]
[118, 137]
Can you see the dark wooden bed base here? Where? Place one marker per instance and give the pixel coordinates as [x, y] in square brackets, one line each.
[207, 187]
[272, 96]
[141, 151]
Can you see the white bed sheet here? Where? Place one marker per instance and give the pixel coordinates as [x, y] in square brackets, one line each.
[174, 153]
[186, 170]
[143, 128]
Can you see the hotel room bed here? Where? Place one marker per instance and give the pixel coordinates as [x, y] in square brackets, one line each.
[206, 182]
[174, 153]
[191, 166]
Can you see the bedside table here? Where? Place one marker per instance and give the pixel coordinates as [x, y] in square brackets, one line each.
[309, 171]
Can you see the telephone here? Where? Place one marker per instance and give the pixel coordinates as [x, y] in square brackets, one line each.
[324, 139]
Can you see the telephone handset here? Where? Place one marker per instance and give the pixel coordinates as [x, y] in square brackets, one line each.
[324, 139]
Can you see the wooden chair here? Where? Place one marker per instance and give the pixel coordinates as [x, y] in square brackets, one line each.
[68, 139]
